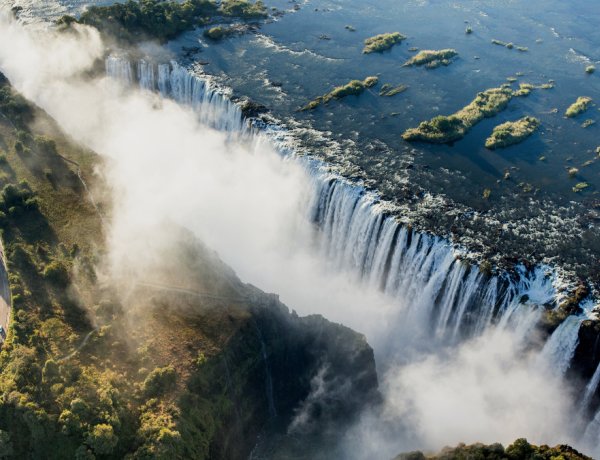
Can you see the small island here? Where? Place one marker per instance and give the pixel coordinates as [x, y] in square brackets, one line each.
[578, 107]
[509, 45]
[388, 90]
[512, 132]
[580, 187]
[354, 87]
[446, 129]
[217, 33]
[382, 42]
[524, 90]
[432, 59]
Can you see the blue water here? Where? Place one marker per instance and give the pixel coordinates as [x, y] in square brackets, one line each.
[561, 39]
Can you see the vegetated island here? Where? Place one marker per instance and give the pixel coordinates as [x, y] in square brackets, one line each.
[135, 21]
[354, 87]
[518, 450]
[509, 45]
[579, 106]
[524, 90]
[580, 187]
[512, 132]
[388, 90]
[432, 59]
[218, 33]
[382, 42]
[444, 129]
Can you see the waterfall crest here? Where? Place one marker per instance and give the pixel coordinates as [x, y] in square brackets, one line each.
[445, 297]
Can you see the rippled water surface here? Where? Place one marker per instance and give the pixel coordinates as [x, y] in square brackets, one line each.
[309, 50]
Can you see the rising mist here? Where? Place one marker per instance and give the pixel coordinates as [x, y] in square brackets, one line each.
[249, 204]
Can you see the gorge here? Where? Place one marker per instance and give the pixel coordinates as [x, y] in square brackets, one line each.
[513, 351]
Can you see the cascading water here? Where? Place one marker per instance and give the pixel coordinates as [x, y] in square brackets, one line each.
[560, 348]
[443, 297]
[176, 82]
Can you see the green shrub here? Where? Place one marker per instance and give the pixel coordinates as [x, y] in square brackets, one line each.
[244, 8]
[519, 450]
[215, 33]
[50, 372]
[160, 381]
[57, 273]
[102, 439]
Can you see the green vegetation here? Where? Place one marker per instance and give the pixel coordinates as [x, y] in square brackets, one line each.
[580, 187]
[162, 20]
[382, 42]
[468, 30]
[353, 88]
[445, 129]
[587, 123]
[501, 43]
[432, 59]
[518, 450]
[216, 33]
[94, 403]
[512, 132]
[160, 381]
[524, 90]
[114, 370]
[243, 9]
[579, 106]
[13, 107]
[388, 90]
[590, 69]
[509, 45]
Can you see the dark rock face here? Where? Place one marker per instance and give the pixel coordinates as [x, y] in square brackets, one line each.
[586, 359]
[251, 109]
[286, 374]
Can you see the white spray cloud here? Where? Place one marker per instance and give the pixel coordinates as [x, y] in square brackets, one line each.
[248, 203]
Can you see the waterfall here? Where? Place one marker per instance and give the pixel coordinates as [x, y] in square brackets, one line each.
[560, 347]
[176, 82]
[444, 296]
[268, 375]
[590, 388]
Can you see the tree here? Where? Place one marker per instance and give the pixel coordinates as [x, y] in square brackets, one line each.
[102, 439]
[6, 448]
[159, 381]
